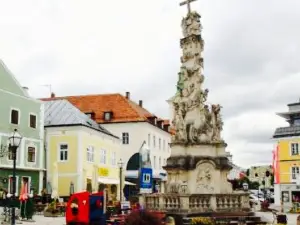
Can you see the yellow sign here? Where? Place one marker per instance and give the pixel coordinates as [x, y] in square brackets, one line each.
[103, 172]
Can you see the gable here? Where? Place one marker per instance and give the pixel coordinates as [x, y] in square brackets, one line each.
[8, 82]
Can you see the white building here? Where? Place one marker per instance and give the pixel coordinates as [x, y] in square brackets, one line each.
[133, 124]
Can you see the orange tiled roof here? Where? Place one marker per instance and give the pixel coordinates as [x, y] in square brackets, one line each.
[123, 109]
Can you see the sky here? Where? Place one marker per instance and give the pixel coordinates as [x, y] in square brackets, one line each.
[251, 57]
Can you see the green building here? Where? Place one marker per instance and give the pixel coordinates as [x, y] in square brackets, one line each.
[19, 111]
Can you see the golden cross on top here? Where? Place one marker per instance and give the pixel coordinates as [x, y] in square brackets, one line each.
[188, 3]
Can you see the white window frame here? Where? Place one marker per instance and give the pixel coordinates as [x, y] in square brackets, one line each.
[154, 141]
[103, 156]
[293, 179]
[35, 152]
[149, 140]
[19, 116]
[17, 184]
[291, 148]
[59, 150]
[113, 158]
[107, 116]
[29, 183]
[90, 154]
[124, 137]
[159, 143]
[36, 121]
[154, 162]
[159, 163]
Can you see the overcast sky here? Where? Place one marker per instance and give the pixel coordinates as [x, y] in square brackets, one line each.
[87, 47]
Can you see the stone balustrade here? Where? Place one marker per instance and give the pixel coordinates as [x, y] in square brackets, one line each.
[197, 202]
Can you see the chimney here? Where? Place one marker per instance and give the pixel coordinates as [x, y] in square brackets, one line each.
[128, 95]
[26, 90]
[141, 103]
[52, 95]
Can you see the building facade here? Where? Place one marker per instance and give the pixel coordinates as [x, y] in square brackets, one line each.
[262, 175]
[287, 157]
[85, 154]
[133, 124]
[19, 111]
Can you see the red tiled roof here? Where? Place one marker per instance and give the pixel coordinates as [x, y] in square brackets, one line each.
[123, 109]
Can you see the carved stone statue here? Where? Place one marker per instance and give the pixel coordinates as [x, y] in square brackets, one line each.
[194, 121]
[191, 24]
[218, 123]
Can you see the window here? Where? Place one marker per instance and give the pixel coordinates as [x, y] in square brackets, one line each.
[154, 162]
[113, 158]
[159, 143]
[10, 184]
[125, 138]
[107, 116]
[295, 172]
[14, 116]
[90, 154]
[149, 139]
[31, 154]
[154, 142]
[11, 154]
[32, 121]
[27, 181]
[63, 152]
[159, 163]
[164, 145]
[103, 156]
[294, 149]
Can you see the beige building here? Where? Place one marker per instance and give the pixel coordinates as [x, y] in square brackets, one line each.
[258, 174]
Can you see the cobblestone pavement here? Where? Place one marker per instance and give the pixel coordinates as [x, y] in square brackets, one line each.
[268, 216]
[41, 220]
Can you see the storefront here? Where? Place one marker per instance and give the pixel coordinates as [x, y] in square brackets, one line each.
[289, 193]
[109, 178]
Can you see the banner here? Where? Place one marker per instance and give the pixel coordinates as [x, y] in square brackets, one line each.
[275, 163]
[145, 171]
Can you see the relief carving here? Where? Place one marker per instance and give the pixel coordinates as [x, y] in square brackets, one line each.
[204, 180]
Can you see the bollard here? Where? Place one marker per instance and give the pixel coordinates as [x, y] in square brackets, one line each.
[282, 219]
[298, 220]
[170, 220]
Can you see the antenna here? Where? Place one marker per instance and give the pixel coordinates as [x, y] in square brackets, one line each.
[49, 86]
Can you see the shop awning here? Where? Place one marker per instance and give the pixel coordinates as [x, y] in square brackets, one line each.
[129, 183]
[112, 181]
[108, 180]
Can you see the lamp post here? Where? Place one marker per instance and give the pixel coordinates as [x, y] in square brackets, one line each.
[120, 164]
[245, 186]
[14, 143]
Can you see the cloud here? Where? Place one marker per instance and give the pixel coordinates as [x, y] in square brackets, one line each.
[251, 56]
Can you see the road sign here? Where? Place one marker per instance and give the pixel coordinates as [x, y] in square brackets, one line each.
[146, 178]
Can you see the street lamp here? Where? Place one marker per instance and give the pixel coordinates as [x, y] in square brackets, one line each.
[245, 186]
[120, 164]
[14, 142]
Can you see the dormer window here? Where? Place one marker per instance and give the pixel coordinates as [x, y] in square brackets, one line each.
[91, 115]
[107, 116]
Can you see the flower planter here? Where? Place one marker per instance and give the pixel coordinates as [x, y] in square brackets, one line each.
[51, 214]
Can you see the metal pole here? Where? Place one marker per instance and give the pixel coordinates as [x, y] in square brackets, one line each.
[13, 198]
[121, 183]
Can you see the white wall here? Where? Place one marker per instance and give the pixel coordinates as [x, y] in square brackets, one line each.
[138, 133]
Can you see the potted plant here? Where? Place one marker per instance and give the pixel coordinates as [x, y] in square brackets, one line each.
[202, 221]
[51, 210]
